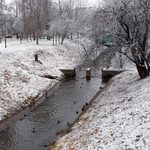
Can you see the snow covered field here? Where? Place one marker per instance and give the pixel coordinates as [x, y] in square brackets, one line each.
[117, 120]
[22, 79]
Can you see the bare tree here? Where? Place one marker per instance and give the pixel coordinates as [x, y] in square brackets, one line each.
[127, 24]
[57, 20]
[2, 18]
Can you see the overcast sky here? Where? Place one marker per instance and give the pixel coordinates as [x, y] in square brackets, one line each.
[89, 2]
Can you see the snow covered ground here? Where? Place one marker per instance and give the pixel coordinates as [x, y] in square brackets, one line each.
[22, 79]
[119, 119]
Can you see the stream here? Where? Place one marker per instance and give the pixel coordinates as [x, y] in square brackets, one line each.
[40, 127]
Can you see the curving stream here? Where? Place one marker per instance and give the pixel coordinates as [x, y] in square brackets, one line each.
[40, 127]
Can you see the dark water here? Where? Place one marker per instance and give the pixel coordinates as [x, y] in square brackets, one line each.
[36, 130]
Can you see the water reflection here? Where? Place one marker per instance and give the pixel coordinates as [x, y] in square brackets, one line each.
[39, 127]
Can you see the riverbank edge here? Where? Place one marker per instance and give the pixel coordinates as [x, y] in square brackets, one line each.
[5, 123]
[102, 89]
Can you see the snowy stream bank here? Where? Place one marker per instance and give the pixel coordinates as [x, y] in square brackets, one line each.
[118, 119]
[41, 126]
[22, 80]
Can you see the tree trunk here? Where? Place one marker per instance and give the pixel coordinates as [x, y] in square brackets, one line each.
[59, 39]
[56, 39]
[37, 40]
[17, 36]
[143, 68]
[5, 42]
[34, 36]
[62, 39]
[142, 71]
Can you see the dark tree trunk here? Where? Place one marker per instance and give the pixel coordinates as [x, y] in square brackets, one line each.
[37, 40]
[143, 66]
[62, 39]
[34, 38]
[17, 36]
[142, 71]
[59, 39]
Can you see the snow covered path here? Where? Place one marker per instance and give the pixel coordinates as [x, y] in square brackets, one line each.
[117, 120]
[22, 79]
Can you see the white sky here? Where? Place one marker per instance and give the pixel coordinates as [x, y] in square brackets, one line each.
[89, 2]
[8, 1]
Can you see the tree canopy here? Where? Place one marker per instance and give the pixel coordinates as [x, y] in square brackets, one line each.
[128, 21]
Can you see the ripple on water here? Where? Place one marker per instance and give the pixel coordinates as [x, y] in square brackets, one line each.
[40, 127]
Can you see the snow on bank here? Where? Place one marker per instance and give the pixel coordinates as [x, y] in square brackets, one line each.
[22, 79]
[117, 120]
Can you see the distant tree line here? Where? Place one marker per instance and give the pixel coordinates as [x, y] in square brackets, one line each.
[34, 19]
